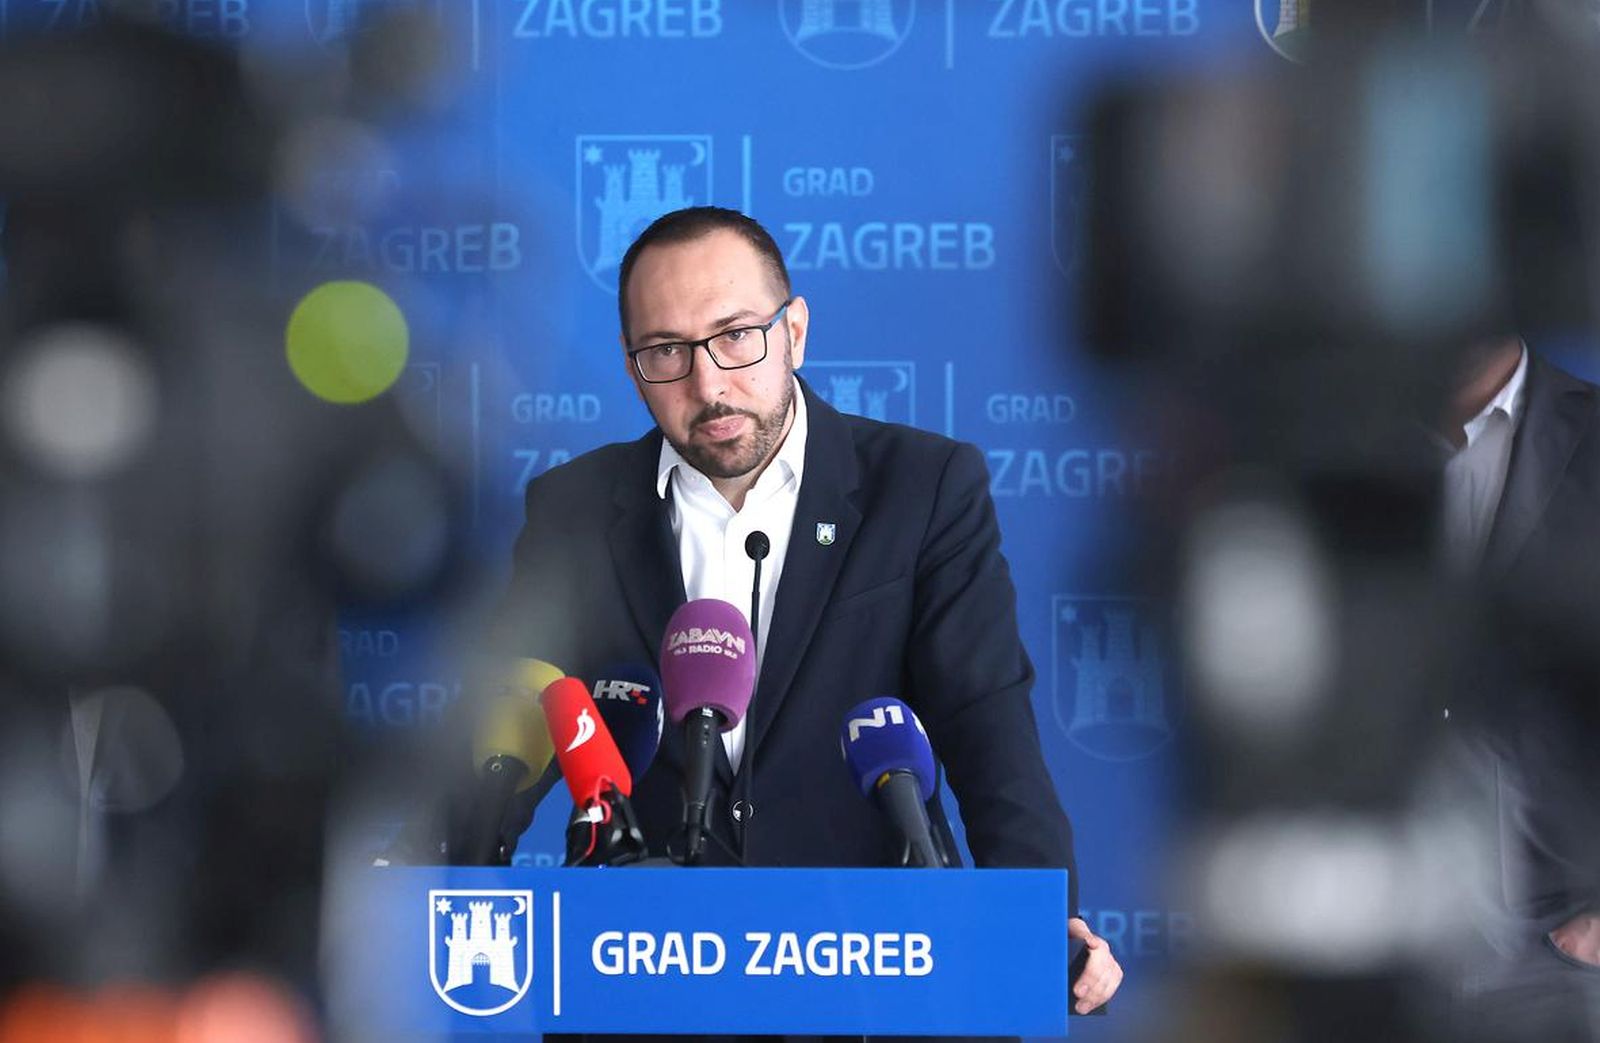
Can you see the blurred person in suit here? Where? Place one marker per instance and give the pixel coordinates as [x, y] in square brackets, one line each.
[1520, 516]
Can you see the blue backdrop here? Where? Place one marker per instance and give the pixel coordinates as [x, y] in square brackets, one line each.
[912, 157]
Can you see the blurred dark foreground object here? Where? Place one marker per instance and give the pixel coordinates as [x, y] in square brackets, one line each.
[179, 519]
[1391, 791]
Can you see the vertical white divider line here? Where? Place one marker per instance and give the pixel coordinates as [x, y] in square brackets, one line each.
[746, 146]
[555, 953]
[950, 399]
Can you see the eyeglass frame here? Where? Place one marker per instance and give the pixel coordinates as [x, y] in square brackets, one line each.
[705, 342]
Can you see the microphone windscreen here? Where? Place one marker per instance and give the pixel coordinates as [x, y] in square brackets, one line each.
[883, 735]
[708, 659]
[511, 723]
[589, 758]
[628, 696]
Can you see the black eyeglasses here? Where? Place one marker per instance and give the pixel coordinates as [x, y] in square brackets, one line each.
[731, 349]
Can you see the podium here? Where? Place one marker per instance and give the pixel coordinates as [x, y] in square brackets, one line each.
[438, 951]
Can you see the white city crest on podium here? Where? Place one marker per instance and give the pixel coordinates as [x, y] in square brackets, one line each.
[482, 942]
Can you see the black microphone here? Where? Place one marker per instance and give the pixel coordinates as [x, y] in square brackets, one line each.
[628, 696]
[757, 546]
[887, 752]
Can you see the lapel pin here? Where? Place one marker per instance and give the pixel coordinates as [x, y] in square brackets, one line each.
[825, 532]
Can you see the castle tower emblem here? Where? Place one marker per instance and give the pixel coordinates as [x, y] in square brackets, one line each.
[1110, 677]
[878, 389]
[847, 34]
[624, 183]
[475, 946]
[1286, 25]
[482, 941]
[846, 396]
[875, 17]
[651, 192]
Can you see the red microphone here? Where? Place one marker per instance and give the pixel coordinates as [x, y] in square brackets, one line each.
[588, 755]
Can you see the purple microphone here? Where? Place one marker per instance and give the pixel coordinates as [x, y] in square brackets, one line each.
[708, 673]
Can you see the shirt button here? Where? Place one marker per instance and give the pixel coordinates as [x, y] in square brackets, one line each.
[743, 811]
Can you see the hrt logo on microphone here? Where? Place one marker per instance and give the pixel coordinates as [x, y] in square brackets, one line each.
[622, 691]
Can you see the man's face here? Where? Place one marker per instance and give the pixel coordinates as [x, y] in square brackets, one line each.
[725, 423]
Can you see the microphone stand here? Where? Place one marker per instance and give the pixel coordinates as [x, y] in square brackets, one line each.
[496, 785]
[900, 797]
[757, 546]
[606, 833]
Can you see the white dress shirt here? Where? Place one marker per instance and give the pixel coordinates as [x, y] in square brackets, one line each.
[1475, 475]
[711, 534]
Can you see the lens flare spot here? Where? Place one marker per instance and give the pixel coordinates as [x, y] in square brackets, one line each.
[347, 342]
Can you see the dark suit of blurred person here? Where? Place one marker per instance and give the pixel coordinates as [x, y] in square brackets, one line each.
[1524, 516]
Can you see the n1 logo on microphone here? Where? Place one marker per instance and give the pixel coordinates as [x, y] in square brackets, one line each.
[882, 717]
[622, 691]
[585, 730]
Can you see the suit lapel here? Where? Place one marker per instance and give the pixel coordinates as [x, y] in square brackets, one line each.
[1555, 415]
[648, 567]
[642, 547]
[812, 566]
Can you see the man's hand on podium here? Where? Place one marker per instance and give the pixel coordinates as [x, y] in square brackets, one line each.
[1579, 938]
[1101, 972]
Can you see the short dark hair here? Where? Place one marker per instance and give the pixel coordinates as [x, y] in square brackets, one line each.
[689, 224]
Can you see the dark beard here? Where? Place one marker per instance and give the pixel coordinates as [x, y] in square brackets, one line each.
[755, 447]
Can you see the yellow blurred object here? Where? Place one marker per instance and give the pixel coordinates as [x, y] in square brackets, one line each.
[347, 341]
[512, 723]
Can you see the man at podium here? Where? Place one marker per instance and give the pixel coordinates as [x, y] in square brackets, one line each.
[883, 575]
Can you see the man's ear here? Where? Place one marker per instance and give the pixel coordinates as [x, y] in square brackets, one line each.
[798, 319]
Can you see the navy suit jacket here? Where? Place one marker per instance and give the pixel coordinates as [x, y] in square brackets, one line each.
[912, 598]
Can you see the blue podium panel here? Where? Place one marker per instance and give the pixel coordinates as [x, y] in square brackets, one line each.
[436, 951]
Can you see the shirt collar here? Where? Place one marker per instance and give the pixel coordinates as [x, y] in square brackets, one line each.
[789, 462]
[1507, 400]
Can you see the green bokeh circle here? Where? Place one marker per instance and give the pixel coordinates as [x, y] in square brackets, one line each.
[347, 341]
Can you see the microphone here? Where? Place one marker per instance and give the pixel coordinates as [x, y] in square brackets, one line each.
[708, 673]
[603, 831]
[757, 546]
[887, 752]
[628, 696]
[511, 746]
